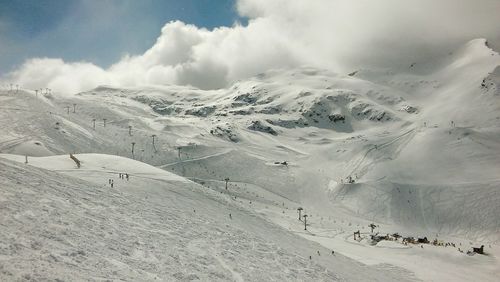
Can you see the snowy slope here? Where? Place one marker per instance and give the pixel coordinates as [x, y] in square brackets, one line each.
[66, 223]
[415, 171]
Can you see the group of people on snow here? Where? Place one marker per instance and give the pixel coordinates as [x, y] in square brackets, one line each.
[121, 176]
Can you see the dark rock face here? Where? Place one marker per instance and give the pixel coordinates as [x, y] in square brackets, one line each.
[259, 126]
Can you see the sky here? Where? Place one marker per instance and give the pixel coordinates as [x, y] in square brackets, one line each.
[97, 31]
[76, 45]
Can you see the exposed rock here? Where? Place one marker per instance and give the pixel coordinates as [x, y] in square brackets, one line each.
[409, 109]
[336, 117]
[246, 98]
[259, 126]
[201, 111]
[225, 132]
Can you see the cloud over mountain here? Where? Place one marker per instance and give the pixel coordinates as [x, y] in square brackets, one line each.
[333, 34]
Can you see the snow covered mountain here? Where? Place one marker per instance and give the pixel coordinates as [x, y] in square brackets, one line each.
[415, 151]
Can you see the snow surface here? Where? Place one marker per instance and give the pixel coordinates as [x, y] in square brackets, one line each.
[73, 225]
[423, 147]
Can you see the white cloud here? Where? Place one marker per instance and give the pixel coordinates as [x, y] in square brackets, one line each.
[335, 34]
[58, 75]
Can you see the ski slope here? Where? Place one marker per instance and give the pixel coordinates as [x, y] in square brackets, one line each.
[63, 223]
[422, 144]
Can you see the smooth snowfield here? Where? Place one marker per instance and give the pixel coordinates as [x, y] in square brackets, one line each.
[422, 145]
[156, 226]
